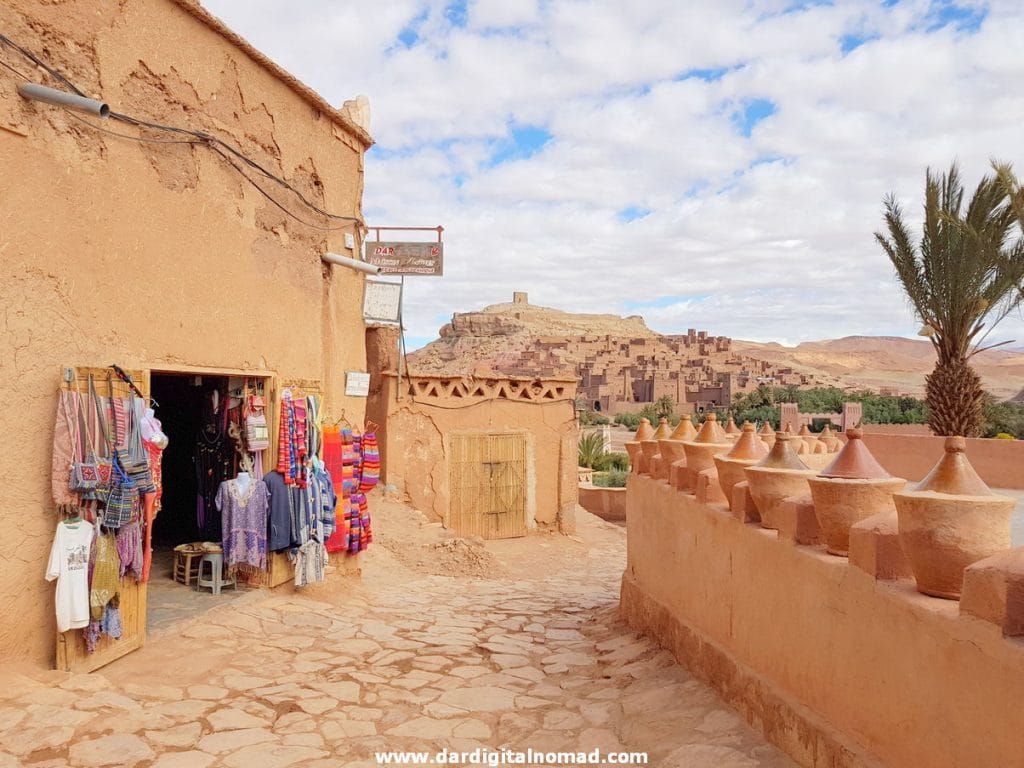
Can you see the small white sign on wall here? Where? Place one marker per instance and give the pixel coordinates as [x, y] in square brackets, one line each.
[357, 384]
[382, 302]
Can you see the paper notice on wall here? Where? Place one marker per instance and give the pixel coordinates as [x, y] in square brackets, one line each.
[357, 384]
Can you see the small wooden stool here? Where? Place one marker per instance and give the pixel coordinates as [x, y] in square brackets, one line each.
[186, 565]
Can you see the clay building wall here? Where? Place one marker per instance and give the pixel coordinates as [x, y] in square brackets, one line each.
[154, 255]
[833, 666]
[420, 414]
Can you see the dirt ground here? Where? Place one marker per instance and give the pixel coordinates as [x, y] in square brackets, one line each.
[443, 643]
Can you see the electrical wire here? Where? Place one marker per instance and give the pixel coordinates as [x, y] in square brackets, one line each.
[15, 71]
[129, 137]
[198, 138]
[263, 192]
[55, 74]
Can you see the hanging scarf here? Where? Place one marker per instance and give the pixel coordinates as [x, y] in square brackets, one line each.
[370, 474]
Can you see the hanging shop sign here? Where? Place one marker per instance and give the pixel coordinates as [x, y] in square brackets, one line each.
[395, 258]
[382, 302]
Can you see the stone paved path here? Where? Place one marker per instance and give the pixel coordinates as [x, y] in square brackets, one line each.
[541, 661]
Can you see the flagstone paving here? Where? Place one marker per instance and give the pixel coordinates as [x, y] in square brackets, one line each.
[537, 661]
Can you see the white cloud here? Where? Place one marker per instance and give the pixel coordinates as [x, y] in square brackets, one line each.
[766, 236]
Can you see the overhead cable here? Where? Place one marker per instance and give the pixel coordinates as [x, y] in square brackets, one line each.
[214, 143]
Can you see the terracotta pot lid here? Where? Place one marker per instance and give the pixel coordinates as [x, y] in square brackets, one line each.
[782, 455]
[788, 430]
[954, 474]
[766, 429]
[663, 431]
[711, 431]
[645, 431]
[826, 432]
[748, 446]
[855, 461]
[804, 431]
[685, 430]
[731, 428]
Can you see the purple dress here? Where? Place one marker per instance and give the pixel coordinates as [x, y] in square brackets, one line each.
[244, 523]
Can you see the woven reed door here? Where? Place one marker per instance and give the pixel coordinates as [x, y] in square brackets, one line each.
[488, 485]
[71, 653]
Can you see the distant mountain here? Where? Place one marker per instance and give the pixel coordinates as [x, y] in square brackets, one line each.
[879, 362]
[516, 338]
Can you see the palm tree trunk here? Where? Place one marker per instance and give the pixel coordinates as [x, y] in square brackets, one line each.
[954, 395]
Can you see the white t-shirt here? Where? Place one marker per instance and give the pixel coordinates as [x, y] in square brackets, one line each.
[69, 564]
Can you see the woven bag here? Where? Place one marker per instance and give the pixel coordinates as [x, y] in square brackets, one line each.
[106, 581]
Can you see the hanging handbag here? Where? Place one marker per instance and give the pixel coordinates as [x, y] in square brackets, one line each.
[85, 475]
[121, 500]
[138, 468]
[132, 458]
[103, 463]
[257, 433]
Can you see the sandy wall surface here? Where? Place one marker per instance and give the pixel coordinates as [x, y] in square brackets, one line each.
[415, 456]
[816, 653]
[152, 255]
[1000, 463]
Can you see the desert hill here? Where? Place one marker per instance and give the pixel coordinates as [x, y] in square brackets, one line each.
[878, 362]
[519, 338]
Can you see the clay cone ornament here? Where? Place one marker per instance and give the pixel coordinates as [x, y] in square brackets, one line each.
[731, 428]
[649, 447]
[633, 451]
[950, 520]
[636, 458]
[645, 431]
[854, 461]
[778, 476]
[809, 438]
[767, 434]
[828, 437]
[700, 452]
[748, 450]
[850, 489]
[685, 430]
[711, 431]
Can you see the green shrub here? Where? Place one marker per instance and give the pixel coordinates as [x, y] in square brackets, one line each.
[630, 421]
[614, 478]
[609, 461]
[1004, 436]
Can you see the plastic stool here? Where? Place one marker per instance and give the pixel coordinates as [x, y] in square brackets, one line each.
[216, 579]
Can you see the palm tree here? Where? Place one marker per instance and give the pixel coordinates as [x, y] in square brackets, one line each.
[665, 406]
[967, 270]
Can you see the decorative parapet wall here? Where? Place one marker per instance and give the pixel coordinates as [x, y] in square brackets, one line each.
[469, 391]
[830, 662]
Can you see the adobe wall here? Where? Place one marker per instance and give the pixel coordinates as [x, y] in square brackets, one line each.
[151, 255]
[607, 503]
[419, 424]
[999, 462]
[836, 668]
[896, 429]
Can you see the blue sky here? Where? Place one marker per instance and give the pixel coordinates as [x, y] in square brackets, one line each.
[711, 165]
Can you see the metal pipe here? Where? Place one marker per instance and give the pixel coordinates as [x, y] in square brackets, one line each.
[345, 261]
[63, 99]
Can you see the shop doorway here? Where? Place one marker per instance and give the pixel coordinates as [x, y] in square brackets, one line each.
[193, 412]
